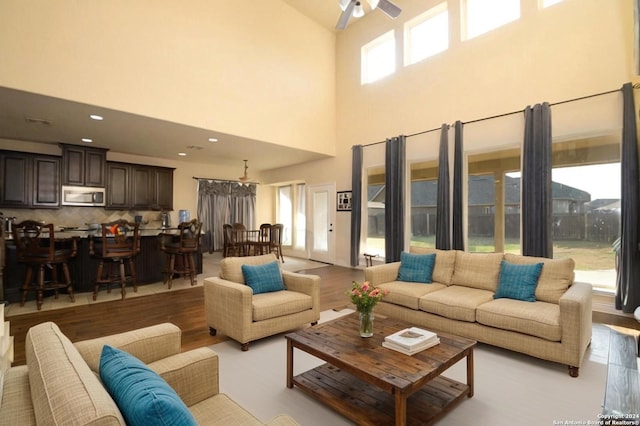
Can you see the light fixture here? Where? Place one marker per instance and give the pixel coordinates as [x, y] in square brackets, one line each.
[182, 154]
[87, 140]
[213, 139]
[245, 176]
[96, 117]
[358, 11]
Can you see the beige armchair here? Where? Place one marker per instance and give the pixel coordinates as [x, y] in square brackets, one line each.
[233, 310]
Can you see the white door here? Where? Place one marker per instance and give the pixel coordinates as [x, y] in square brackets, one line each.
[321, 217]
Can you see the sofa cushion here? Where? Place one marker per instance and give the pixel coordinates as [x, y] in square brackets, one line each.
[407, 294]
[477, 270]
[279, 303]
[263, 278]
[455, 302]
[143, 397]
[57, 375]
[540, 319]
[231, 267]
[16, 407]
[518, 281]
[444, 264]
[222, 410]
[555, 279]
[416, 268]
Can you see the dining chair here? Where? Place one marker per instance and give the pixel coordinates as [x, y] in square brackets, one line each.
[38, 249]
[116, 246]
[263, 243]
[181, 248]
[276, 240]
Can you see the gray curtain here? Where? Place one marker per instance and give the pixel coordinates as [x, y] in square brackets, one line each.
[628, 272]
[394, 198]
[457, 242]
[443, 224]
[536, 203]
[356, 202]
[221, 202]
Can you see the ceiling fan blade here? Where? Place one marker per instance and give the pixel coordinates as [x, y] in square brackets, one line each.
[346, 14]
[389, 8]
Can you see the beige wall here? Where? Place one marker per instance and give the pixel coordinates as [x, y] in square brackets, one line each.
[257, 69]
[223, 76]
[570, 50]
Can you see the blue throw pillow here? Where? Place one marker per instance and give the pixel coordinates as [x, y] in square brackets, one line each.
[263, 278]
[142, 396]
[416, 268]
[518, 281]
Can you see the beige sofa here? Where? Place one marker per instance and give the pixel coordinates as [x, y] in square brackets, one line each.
[60, 383]
[233, 310]
[556, 327]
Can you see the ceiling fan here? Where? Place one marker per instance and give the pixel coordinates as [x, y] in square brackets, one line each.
[354, 8]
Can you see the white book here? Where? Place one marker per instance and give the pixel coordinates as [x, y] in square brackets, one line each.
[427, 345]
[412, 337]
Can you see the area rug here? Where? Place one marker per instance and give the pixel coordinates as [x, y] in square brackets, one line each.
[510, 388]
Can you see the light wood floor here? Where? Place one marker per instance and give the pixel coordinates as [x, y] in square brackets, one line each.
[184, 308]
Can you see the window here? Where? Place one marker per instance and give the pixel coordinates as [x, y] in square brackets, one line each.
[493, 201]
[427, 34]
[375, 243]
[424, 200]
[481, 16]
[292, 214]
[378, 58]
[586, 206]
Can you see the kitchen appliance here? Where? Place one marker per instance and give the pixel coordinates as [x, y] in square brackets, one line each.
[83, 196]
[165, 218]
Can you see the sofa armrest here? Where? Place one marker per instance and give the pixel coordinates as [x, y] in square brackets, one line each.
[194, 375]
[306, 284]
[228, 306]
[575, 318]
[380, 274]
[147, 344]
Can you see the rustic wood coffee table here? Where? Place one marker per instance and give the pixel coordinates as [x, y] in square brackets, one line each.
[373, 385]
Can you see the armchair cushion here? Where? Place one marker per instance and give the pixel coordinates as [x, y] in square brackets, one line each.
[263, 278]
[142, 396]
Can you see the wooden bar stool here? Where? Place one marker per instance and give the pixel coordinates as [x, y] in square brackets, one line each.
[179, 249]
[117, 246]
[37, 248]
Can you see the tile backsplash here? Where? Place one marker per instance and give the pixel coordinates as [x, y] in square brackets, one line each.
[79, 216]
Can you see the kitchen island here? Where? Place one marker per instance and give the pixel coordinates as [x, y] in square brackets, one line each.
[150, 262]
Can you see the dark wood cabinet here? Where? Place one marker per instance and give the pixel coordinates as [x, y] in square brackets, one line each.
[29, 180]
[118, 186]
[83, 166]
[138, 187]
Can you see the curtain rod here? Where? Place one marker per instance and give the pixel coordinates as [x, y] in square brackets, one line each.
[635, 86]
[223, 180]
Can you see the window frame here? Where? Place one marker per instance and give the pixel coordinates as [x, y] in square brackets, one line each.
[365, 51]
[419, 20]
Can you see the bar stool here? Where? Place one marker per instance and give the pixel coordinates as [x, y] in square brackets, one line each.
[181, 247]
[117, 245]
[37, 248]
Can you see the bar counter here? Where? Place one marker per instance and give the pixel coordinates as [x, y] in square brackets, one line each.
[150, 262]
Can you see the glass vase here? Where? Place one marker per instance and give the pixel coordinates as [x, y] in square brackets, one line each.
[366, 323]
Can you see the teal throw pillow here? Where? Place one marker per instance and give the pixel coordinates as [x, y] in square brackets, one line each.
[142, 396]
[518, 281]
[263, 278]
[416, 268]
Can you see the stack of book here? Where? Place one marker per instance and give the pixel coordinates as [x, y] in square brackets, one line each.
[411, 340]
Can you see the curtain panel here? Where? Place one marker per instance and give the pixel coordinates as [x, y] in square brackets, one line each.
[536, 202]
[443, 204]
[457, 240]
[627, 296]
[394, 198]
[356, 203]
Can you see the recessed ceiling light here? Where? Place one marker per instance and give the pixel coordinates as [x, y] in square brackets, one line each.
[182, 154]
[96, 117]
[213, 139]
[87, 140]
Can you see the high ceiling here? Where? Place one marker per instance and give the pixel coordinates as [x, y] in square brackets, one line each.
[27, 116]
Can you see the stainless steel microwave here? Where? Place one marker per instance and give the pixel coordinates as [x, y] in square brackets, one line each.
[83, 196]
